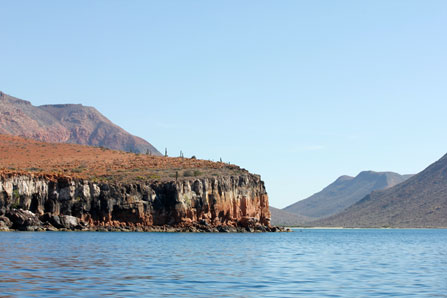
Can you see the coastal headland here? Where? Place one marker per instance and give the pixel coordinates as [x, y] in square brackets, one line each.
[48, 186]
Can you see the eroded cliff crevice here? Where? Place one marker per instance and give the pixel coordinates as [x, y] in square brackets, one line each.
[225, 203]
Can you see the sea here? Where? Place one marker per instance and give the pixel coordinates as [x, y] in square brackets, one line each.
[302, 263]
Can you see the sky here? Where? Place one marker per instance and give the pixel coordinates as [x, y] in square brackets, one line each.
[300, 92]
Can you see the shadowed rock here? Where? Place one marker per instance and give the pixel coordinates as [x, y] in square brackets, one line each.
[224, 204]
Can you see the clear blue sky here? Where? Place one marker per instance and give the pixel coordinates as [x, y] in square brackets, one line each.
[300, 92]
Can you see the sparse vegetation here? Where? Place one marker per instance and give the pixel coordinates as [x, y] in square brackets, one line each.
[188, 173]
[99, 164]
[33, 169]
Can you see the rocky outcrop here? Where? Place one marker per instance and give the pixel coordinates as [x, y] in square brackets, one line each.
[224, 204]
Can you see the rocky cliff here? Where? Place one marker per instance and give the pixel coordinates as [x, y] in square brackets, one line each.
[225, 204]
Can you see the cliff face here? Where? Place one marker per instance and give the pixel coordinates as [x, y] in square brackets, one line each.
[232, 203]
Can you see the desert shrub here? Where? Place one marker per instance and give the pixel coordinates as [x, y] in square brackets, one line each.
[188, 173]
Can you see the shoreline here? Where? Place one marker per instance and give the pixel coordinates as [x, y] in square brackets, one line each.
[367, 228]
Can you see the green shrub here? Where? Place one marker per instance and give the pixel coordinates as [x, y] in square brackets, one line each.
[15, 206]
[154, 176]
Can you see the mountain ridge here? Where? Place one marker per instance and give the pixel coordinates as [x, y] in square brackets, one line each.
[344, 192]
[418, 202]
[283, 218]
[66, 123]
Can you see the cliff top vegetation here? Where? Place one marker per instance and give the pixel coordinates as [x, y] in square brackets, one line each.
[20, 155]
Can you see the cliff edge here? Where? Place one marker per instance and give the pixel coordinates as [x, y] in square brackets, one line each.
[72, 187]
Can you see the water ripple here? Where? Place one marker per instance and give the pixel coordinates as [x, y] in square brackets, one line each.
[311, 263]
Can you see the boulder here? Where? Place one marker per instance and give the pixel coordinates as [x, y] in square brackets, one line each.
[69, 222]
[21, 219]
[248, 222]
[5, 222]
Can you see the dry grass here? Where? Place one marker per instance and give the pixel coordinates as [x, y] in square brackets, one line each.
[100, 164]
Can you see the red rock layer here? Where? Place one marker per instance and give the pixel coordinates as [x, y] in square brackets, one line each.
[208, 203]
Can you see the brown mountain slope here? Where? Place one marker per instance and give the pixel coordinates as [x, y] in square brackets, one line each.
[19, 155]
[66, 123]
[419, 202]
[344, 192]
[285, 219]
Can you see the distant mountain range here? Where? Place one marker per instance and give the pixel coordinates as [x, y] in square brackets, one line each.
[344, 192]
[419, 202]
[66, 123]
[283, 218]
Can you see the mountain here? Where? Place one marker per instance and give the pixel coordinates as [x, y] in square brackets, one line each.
[344, 192]
[285, 219]
[67, 123]
[419, 202]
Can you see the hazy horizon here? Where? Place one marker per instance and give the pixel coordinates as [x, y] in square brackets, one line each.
[298, 92]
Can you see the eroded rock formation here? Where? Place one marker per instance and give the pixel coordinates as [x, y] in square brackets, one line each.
[225, 204]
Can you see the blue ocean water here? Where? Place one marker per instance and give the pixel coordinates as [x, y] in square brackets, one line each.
[305, 263]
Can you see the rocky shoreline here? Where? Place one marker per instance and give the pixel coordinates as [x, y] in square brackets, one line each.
[24, 220]
[217, 204]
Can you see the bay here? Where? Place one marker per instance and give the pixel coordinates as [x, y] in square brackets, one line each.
[303, 263]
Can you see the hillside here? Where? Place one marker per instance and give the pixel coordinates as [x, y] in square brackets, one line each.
[419, 202]
[344, 192]
[285, 219]
[68, 123]
[19, 155]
